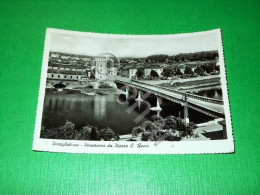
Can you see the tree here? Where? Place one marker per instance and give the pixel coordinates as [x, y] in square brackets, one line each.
[167, 72]
[107, 134]
[153, 73]
[84, 133]
[172, 58]
[59, 86]
[179, 57]
[68, 130]
[217, 68]
[188, 70]
[145, 136]
[208, 68]
[178, 71]
[157, 58]
[199, 70]
[137, 130]
[92, 73]
[140, 73]
[170, 122]
[63, 132]
[172, 137]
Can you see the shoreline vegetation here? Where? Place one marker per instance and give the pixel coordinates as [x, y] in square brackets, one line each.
[170, 128]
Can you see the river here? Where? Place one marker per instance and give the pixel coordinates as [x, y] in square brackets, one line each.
[105, 111]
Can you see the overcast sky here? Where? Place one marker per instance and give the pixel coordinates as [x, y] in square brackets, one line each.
[135, 46]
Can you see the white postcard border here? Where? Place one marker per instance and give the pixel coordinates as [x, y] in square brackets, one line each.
[132, 147]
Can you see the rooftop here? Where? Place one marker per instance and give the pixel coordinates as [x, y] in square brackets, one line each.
[65, 66]
[66, 72]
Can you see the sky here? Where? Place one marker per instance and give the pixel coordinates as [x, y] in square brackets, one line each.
[132, 46]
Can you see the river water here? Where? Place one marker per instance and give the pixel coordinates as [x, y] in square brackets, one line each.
[106, 111]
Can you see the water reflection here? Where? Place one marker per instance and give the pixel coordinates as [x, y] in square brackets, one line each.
[99, 110]
[100, 106]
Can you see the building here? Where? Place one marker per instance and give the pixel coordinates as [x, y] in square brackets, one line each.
[54, 55]
[65, 72]
[89, 72]
[128, 72]
[101, 69]
[113, 71]
[104, 70]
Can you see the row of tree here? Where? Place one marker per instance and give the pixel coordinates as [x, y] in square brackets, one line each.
[200, 70]
[198, 56]
[171, 128]
[88, 132]
[170, 72]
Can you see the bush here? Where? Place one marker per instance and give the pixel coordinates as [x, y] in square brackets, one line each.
[137, 130]
[131, 139]
[172, 137]
[170, 122]
[145, 136]
[104, 85]
[59, 86]
[64, 132]
[106, 134]
[86, 133]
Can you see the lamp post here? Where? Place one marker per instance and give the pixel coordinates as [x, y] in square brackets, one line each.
[186, 113]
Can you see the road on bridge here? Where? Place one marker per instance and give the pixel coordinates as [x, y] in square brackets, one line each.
[219, 108]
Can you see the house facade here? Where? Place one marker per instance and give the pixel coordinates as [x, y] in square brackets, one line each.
[128, 72]
[65, 72]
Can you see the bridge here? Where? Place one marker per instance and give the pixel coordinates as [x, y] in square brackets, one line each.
[209, 106]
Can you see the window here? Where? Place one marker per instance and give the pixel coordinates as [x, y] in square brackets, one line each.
[77, 77]
[58, 76]
[58, 68]
[52, 75]
[71, 77]
[65, 76]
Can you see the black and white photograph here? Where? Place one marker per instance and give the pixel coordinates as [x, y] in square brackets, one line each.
[141, 94]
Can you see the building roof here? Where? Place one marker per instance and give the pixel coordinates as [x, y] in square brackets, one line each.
[65, 66]
[68, 72]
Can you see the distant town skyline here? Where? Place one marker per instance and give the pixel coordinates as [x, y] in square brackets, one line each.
[136, 46]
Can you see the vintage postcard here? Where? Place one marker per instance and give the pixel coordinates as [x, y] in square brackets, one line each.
[134, 94]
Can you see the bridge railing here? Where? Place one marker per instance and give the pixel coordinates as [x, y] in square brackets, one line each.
[206, 99]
